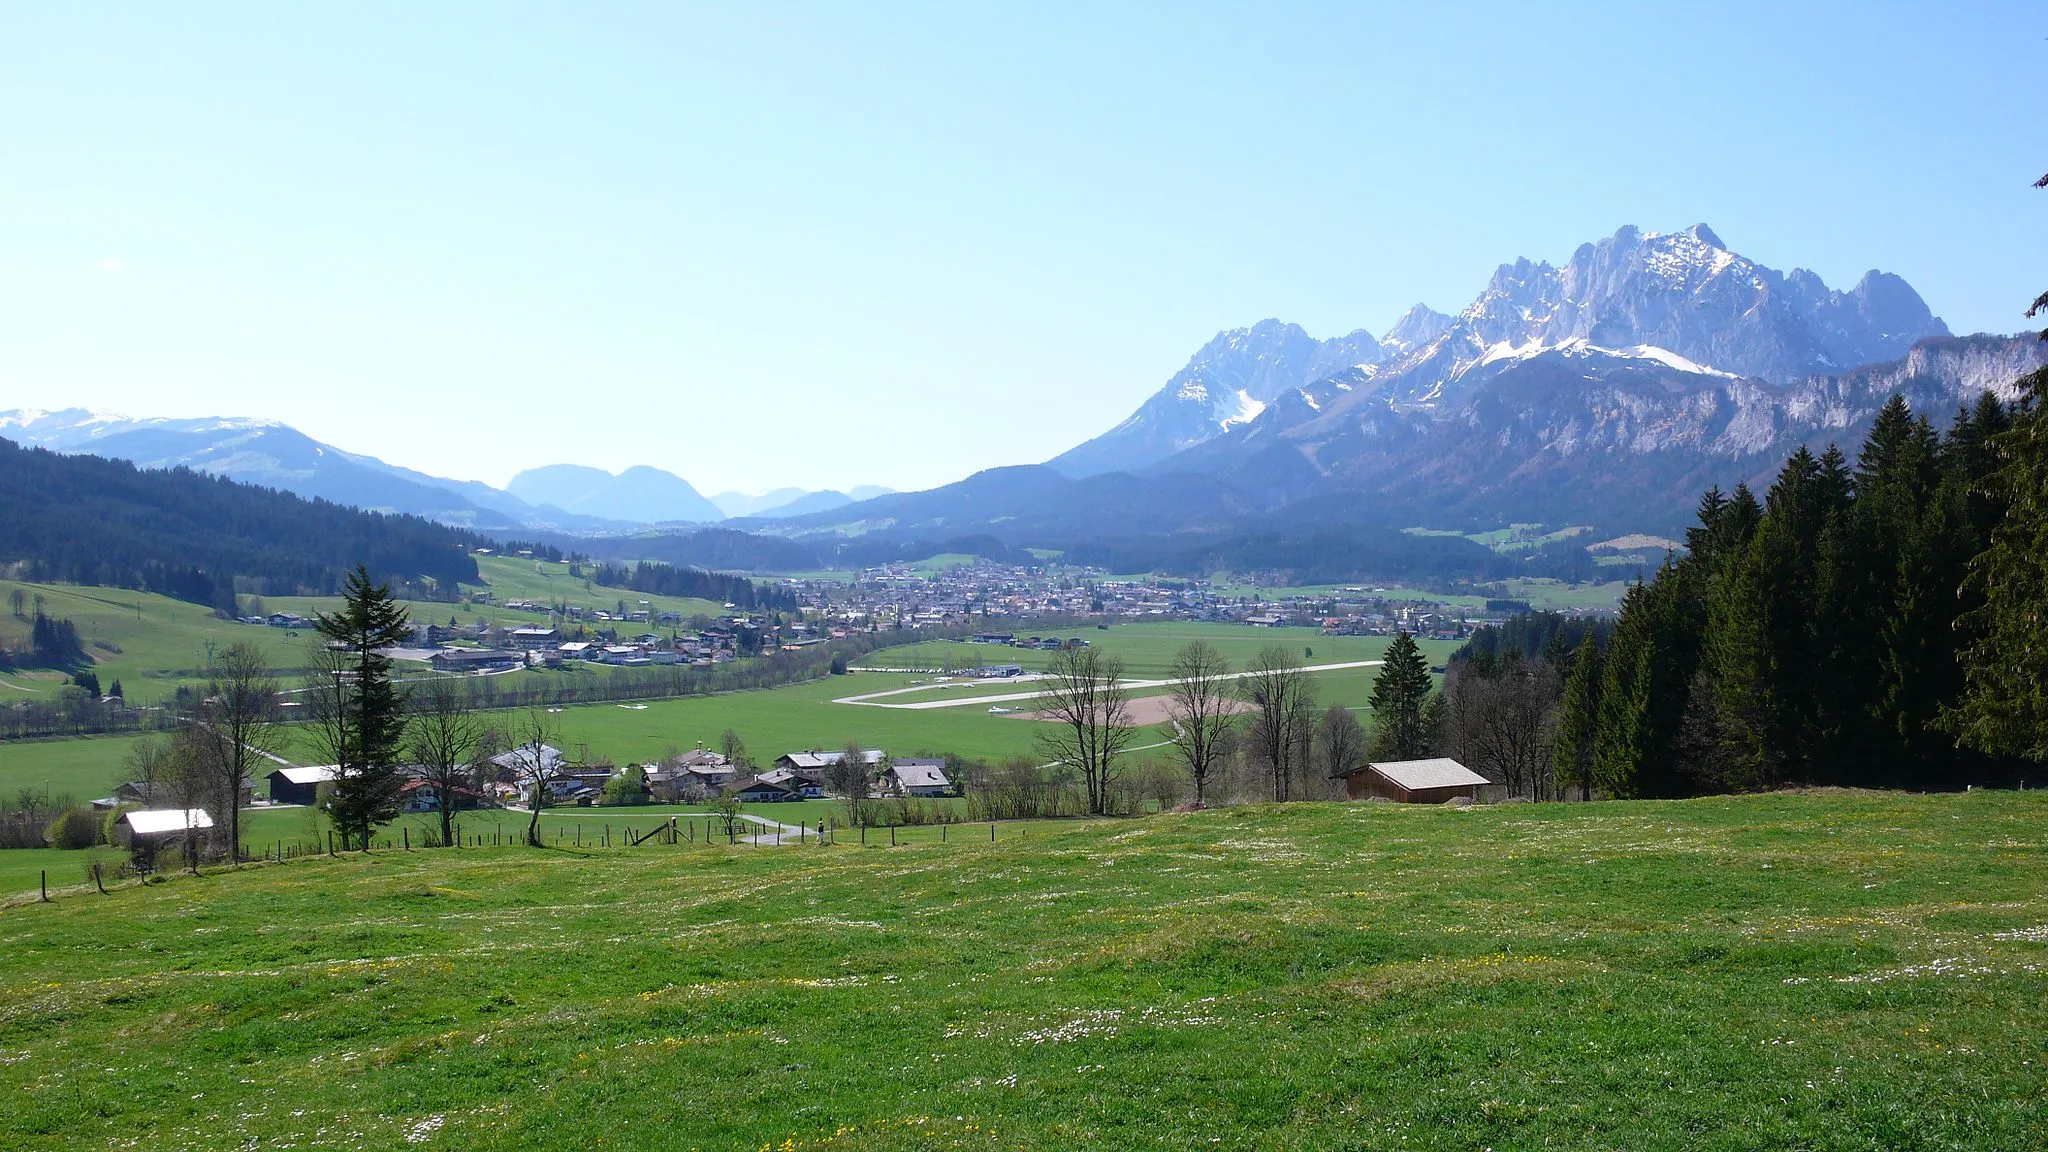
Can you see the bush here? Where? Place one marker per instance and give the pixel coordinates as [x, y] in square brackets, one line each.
[75, 827]
[110, 822]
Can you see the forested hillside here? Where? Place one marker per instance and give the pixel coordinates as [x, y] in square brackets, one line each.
[86, 520]
[1844, 629]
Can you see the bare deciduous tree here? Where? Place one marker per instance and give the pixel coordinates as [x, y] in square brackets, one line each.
[734, 750]
[849, 777]
[234, 729]
[1283, 702]
[726, 806]
[443, 742]
[534, 762]
[152, 763]
[1090, 723]
[1203, 711]
[1340, 742]
[1503, 724]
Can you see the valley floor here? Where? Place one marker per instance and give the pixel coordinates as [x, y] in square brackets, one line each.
[1817, 971]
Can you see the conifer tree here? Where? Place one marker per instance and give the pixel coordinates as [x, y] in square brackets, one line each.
[1578, 720]
[2004, 709]
[360, 713]
[1401, 717]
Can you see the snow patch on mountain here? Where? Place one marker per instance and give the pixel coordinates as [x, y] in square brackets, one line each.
[1245, 411]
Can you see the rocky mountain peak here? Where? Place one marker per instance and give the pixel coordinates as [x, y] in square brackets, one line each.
[1677, 300]
[1416, 327]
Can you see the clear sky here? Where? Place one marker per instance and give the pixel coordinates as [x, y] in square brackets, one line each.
[823, 245]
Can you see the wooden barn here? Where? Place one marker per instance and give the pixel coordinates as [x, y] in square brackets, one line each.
[294, 785]
[1414, 781]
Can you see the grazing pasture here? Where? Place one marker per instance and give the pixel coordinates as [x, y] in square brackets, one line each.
[1824, 970]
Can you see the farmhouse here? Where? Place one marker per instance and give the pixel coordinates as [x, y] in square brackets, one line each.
[812, 765]
[299, 785]
[421, 796]
[788, 778]
[760, 790]
[916, 777]
[1413, 781]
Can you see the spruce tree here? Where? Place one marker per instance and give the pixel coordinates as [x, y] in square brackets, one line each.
[1401, 716]
[2004, 709]
[1578, 720]
[362, 721]
[1622, 704]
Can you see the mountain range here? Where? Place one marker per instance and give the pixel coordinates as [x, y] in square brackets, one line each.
[1609, 390]
[1680, 300]
[561, 498]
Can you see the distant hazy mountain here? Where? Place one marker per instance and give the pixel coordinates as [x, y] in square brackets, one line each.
[1681, 298]
[279, 456]
[640, 494]
[1026, 504]
[743, 504]
[257, 452]
[792, 501]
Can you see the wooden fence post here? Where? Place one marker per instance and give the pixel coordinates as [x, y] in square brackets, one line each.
[892, 835]
[46, 885]
[407, 831]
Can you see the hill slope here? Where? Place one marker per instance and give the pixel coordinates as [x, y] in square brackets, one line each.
[1774, 971]
[86, 520]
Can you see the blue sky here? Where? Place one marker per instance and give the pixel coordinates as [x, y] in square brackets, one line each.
[825, 245]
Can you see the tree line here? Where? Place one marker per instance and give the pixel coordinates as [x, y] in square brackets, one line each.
[660, 579]
[1258, 732]
[1872, 623]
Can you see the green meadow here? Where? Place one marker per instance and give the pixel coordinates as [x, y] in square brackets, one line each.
[1818, 971]
[150, 643]
[1147, 649]
[796, 717]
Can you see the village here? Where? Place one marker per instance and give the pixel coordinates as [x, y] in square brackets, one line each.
[996, 599]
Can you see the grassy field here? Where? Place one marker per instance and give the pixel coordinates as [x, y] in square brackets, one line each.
[152, 643]
[1147, 649]
[798, 716]
[149, 643]
[1812, 971]
[1554, 595]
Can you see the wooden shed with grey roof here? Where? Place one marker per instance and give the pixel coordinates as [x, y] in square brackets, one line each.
[1413, 781]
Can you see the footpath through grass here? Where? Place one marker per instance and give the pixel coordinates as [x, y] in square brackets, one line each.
[1812, 971]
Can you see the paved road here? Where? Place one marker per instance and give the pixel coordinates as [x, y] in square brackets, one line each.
[874, 699]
